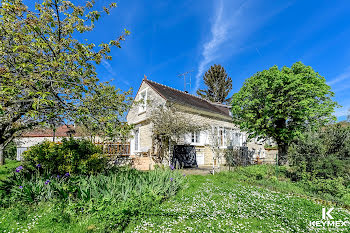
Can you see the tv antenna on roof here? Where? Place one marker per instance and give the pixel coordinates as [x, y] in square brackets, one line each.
[183, 75]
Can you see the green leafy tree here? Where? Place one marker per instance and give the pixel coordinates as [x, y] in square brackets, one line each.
[282, 103]
[218, 85]
[102, 112]
[44, 70]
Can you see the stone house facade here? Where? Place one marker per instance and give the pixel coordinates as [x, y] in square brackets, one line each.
[151, 95]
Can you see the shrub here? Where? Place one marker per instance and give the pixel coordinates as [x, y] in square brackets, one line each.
[334, 187]
[330, 167]
[346, 198]
[323, 154]
[238, 156]
[10, 151]
[231, 157]
[8, 168]
[76, 156]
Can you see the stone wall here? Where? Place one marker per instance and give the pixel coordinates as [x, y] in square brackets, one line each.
[205, 118]
[141, 119]
[142, 163]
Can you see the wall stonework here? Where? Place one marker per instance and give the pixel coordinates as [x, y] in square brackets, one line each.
[204, 118]
[141, 119]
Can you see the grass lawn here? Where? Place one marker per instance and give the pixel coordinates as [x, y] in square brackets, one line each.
[220, 203]
[224, 202]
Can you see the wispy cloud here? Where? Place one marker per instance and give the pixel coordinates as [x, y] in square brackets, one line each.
[112, 73]
[343, 111]
[232, 24]
[340, 86]
[219, 31]
[108, 67]
[341, 77]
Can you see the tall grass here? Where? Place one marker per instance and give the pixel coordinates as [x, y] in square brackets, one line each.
[109, 200]
[118, 185]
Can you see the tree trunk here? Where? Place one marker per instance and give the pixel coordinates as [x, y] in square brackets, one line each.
[282, 153]
[213, 165]
[2, 158]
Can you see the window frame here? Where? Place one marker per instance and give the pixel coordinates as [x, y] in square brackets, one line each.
[137, 140]
[143, 105]
[196, 137]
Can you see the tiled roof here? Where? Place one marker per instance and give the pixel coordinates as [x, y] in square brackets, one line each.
[62, 131]
[187, 99]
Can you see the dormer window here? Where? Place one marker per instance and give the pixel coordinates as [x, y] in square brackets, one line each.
[143, 101]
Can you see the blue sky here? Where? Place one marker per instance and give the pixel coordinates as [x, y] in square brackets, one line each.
[172, 37]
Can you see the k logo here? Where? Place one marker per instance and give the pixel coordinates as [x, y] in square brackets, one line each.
[327, 215]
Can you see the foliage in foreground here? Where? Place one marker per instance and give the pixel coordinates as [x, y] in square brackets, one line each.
[8, 168]
[75, 156]
[220, 203]
[45, 70]
[10, 151]
[226, 202]
[281, 179]
[102, 202]
[281, 103]
[322, 154]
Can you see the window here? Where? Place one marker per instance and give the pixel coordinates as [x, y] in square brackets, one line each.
[143, 101]
[228, 139]
[195, 137]
[136, 138]
[221, 137]
[236, 139]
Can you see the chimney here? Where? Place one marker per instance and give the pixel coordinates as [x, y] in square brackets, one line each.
[145, 77]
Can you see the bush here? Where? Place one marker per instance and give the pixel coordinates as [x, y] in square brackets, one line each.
[8, 168]
[323, 154]
[346, 198]
[238, 156]
[231, 157]
[334, 187]
[10, 151]
[76, 156]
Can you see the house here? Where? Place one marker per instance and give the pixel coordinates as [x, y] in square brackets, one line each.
[39, 135]
[152, 94]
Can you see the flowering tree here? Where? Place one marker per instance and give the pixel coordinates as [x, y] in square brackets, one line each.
[215, 142]
[169, 127]
[44, 70]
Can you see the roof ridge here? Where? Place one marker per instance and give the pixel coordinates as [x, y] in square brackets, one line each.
[183, 92]
[186, 93]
